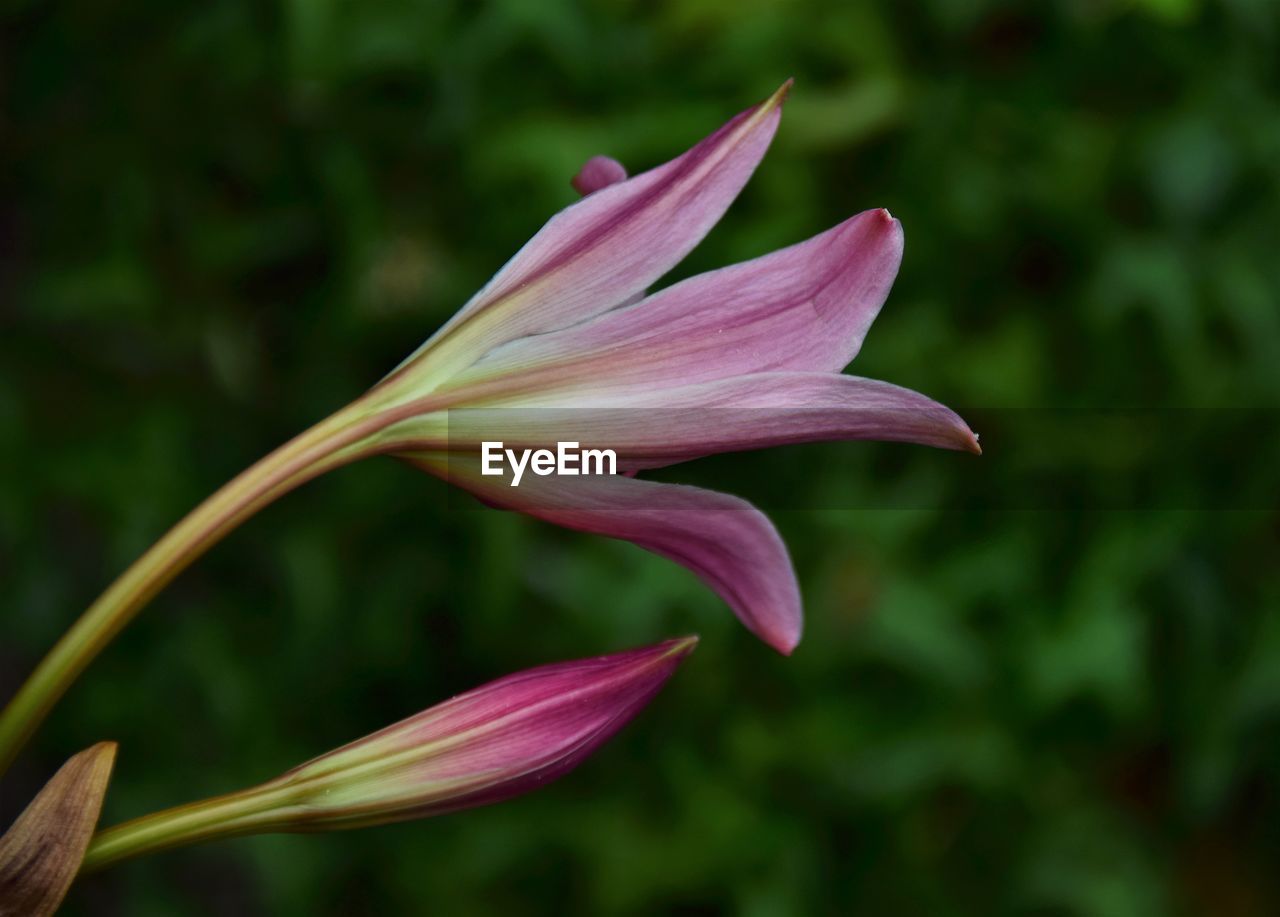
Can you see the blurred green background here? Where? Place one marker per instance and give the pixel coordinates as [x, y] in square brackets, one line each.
[222, 221]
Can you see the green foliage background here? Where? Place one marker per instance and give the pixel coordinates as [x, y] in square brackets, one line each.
[1018, 693]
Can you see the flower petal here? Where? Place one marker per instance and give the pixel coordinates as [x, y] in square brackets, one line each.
[648, 429]
[607, 247]
[596, 173]
[727, 542]
[803, 308]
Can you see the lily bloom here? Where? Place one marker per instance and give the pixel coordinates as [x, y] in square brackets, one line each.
[563, 344]
[503, 739]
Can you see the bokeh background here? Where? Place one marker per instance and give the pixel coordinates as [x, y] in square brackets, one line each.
[1042, 682]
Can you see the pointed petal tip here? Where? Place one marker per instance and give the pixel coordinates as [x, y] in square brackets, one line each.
[680, 647]
[783, 638]
[960, 435]
[779, 96]
[887, 227]
[956, 433]
[963, 438]
[883, 222]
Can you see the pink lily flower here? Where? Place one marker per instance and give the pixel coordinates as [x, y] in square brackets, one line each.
[563, 344]
[497, 741]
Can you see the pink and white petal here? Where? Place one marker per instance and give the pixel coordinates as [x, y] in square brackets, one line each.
[669, 425]
[804, 308]
[596, 173]
[727, 542]
[611, 245]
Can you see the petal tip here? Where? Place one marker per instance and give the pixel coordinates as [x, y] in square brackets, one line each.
[783, 639]
[883, 220]
[887, 219]
[680, 647]
[962, 438]
[876, 227]
[780, 95]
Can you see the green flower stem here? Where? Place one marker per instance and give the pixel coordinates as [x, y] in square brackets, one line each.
[255, 810]
[330, 443]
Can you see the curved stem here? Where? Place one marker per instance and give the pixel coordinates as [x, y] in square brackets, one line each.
[251, 811]
[327, 445]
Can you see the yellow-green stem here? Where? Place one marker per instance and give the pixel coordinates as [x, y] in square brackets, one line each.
[249, 811]
[328, 444]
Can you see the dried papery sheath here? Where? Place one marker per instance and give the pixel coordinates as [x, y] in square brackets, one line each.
[508, 737]
[41, 852]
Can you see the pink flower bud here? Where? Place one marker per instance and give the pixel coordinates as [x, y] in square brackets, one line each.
[497, 741]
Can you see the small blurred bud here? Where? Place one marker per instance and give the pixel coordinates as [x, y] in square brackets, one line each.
[598, 172]
[41, 853]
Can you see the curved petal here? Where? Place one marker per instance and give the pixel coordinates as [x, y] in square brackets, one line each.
[727, 542]
[609, 246]
[803, 308]
[664, 426]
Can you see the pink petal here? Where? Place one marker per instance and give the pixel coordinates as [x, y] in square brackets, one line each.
[609, 246]
[598, 172]
[726, 541]
[804, 308]
[663, 426]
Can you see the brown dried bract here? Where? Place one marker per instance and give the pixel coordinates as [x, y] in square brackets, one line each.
[41, 853]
